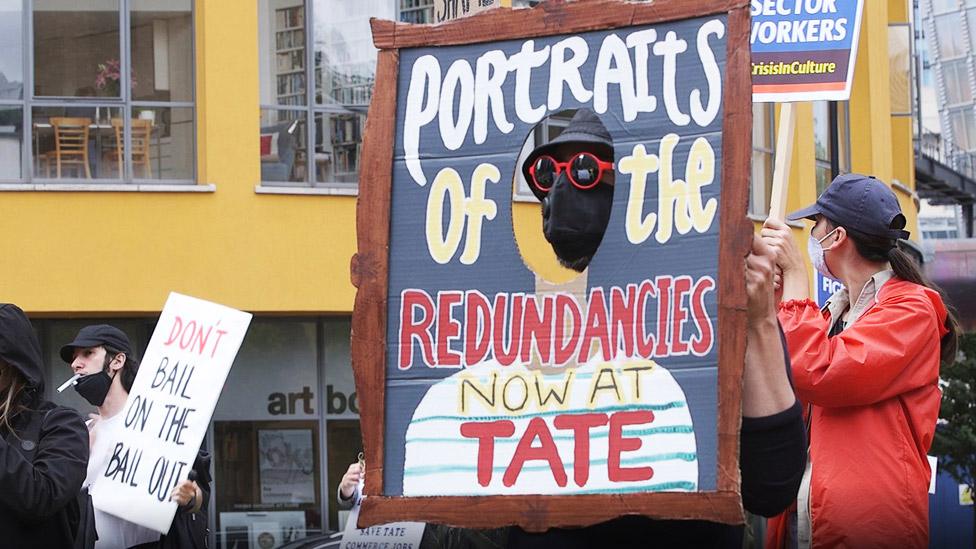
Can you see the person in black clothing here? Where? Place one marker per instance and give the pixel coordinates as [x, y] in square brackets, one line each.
[572, 176]
[43, 447]
[106, 359]
[772, 443]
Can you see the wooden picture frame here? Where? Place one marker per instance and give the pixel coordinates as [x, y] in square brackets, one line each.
[370, 268]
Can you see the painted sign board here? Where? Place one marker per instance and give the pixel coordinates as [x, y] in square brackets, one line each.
[169, 408]
[478, 385]
[803, 50]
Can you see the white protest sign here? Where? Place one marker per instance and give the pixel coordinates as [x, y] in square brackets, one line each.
[168, 410]
[395, 535]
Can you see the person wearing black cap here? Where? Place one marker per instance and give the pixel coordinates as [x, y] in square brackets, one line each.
[867, 364]
[573, 177]
[43, 447]
[103, 356]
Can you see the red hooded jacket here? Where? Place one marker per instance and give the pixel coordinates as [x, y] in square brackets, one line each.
[875, 401]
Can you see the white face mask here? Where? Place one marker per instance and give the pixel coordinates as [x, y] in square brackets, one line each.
[816, 253]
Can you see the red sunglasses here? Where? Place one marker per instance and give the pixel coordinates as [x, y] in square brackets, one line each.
[584, 171]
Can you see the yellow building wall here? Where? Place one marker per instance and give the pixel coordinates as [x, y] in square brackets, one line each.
[123, 252]
[79, 253]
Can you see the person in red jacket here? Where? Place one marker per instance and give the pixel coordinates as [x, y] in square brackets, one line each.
[866, 366]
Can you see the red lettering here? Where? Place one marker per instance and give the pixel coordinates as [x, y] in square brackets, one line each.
[175, 330]
[545, 452]
[566, 348]
[597, 327]
[580, 424]
[537, 327]
[504, 356]
[618, 444]
[645, 340]
[663, 305]
[419, 329]
[477, 333]
[679, 314]
[447, 328]
[703, 343]
[622, 312]
[486, 434]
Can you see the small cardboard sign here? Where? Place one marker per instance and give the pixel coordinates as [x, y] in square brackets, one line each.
[396, 535]
[447, 10]
[804, 51]
[168, 410]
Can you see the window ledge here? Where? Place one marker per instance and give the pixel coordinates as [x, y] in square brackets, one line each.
[317, 191]
[762, 218]
[109, 187]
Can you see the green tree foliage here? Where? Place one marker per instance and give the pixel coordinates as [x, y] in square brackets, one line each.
[955, 436]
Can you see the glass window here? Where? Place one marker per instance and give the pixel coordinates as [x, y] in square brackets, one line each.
[899, 63]
[11, 137]
[963, 129]
[950, 39]
[956, 76]
[77, 142]
[267, 449]
[831, 136]
[97, 111]
[76, 48]
[417, 11]
[763, 139]
[162, 50]
[341, 67]
[941, 6]
[282, 145]
[971, 20]
[11, 50]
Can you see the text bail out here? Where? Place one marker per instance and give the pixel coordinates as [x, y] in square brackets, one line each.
[464, 101]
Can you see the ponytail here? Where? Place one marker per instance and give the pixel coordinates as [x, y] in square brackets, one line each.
[906, 268]
[881, 249]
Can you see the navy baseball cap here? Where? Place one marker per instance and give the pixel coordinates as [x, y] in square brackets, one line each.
[94, 336]
[859, 202]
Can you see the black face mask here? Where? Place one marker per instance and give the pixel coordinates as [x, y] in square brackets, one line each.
[94, 387]
[574, 220]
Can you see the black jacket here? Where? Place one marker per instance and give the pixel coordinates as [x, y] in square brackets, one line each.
[44, 461]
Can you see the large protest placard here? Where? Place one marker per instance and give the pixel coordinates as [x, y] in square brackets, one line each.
[168, 410]
[804, 50]
[490, 400]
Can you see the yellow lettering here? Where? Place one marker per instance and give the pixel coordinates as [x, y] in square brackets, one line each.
[442, 247]
[699, 172]
[638, 165]
[478, 207]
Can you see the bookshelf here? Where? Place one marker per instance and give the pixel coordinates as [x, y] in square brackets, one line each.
[290, 57]
[347, 135]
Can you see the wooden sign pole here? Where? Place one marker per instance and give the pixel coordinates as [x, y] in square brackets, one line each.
[784, 153]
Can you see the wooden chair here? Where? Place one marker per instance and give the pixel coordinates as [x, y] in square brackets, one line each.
[141, 138]
[70, 146]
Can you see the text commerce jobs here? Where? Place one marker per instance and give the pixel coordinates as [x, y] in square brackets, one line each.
[470, 92]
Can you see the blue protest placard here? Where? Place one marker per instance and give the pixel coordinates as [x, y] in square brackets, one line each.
[804, 50]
